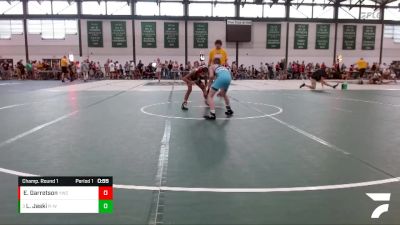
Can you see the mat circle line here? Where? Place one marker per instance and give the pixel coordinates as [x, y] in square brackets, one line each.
[236, 190]
[143, 110]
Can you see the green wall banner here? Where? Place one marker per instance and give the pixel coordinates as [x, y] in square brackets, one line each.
[368, 38]
[171, 35]
[349, 37]
[149, 35]
[200, 35]
[118, 34]
[300, 36]
[322, 36]
[274, 36]
[95, 34]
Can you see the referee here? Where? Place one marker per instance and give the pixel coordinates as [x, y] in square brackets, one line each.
[218, 52]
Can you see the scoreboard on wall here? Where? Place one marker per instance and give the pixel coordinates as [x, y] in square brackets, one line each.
[65, 195]
[238, 30]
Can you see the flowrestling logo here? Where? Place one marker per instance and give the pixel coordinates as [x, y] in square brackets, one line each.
[379, 197]
[370, 15]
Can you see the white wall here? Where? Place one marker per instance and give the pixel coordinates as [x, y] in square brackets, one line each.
[216, 30]
[351, 56]
[107, 52]
[391, 51]
[251, 53]
[39, 48]
[13, 48]
[254, 52]
[151, 54]
[311, 54]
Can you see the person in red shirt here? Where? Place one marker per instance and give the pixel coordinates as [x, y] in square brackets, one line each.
[277, 71]
[194, 77]
[277, 68]
[302, 70]
[323, 66]
[336, 70]
[295, 70]
[349, 73]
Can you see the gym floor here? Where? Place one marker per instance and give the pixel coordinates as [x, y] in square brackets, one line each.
[288, 156]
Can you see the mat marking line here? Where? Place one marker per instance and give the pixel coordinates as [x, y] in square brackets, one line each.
[37, 128]
[17, 173]
[323, 142]
[300, 131]
[5, 84]
[365, 101]
[352, 100]
[47, 100]
[13, 106]
[311, 136]
[51, 98]
[236, 190]
[160, 188]
[161, 174]
[264, 190]
[279, 111]
[342, 110]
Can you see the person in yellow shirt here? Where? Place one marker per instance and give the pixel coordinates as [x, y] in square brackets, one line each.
[64, 67]
[361, 66]
[218, 52]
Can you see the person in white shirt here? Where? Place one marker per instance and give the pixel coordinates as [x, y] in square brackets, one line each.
[158, 69]
[262, 71]
[85, 70]
[111, 65]
[132, 69]
[387, 73]
[175, 70]
[117, 69]
[385, 70]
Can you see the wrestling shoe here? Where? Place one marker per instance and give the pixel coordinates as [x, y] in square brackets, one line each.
[301, 86]
[211, 116]
[184, 106]
[229, 112]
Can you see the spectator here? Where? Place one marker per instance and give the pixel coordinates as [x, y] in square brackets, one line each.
[140, 67]
[29, 70]
[64, 68]
[132, 67]
[170, 66]
[6, 70]
[175, 70]
[120, 69]
[234, 69]
[111, 65]
[85, 70]
[21, 70]
[263, 71]
[127, 69]
[117, 70]
[270, 74]
[302, 70]
[158, 69]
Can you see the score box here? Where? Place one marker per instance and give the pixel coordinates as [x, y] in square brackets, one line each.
[65, 194]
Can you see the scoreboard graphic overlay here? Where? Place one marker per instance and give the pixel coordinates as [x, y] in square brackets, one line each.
[65, 194]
